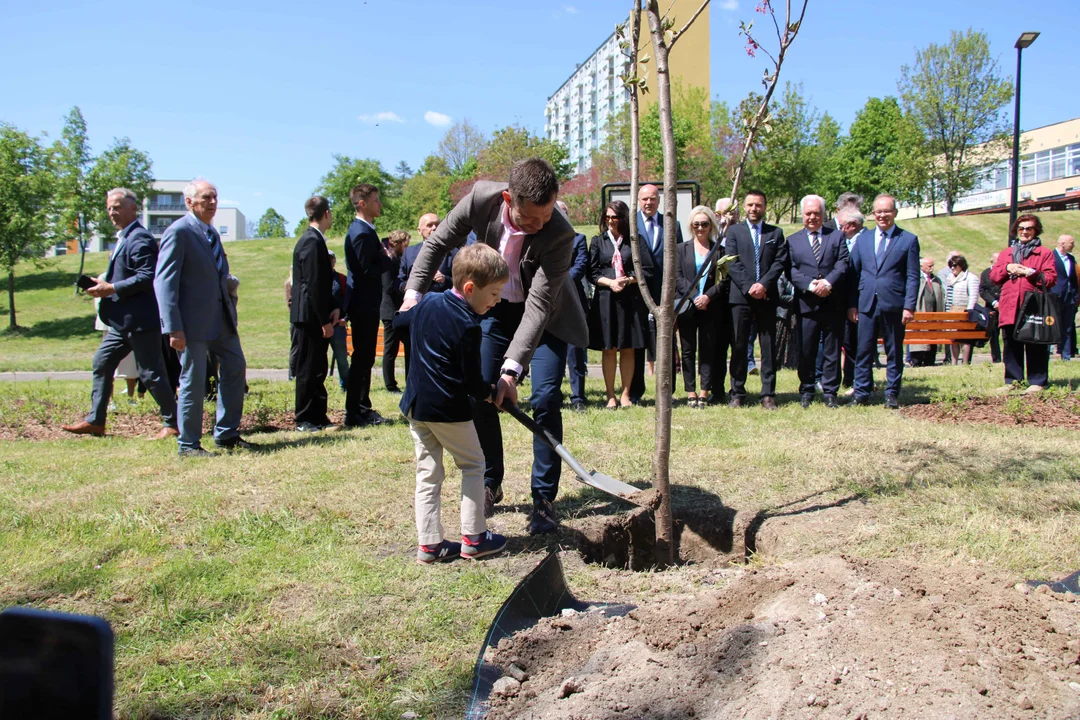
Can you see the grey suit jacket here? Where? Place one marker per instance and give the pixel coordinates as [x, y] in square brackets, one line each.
[550, 299]
[191, 297]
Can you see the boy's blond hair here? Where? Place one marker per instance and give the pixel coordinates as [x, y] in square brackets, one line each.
[480, 263]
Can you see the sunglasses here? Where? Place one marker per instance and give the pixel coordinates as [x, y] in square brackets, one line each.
[609, 218]
[701, 224]
[1030, 228]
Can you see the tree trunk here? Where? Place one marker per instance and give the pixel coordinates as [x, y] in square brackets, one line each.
[11, 299]
[665, 312]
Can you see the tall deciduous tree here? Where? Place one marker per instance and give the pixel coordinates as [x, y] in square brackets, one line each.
[74, 203]
[513, 143]
[26, 193]
[956, 96]
[462, 142]
[121, 165]
[271, 225]
[347, 173]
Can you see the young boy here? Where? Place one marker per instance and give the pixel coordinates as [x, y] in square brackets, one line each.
[442, 387]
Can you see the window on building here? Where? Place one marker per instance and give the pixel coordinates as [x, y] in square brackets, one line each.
[1072, 161]
[223, 230]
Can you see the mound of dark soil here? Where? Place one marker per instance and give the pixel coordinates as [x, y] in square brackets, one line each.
[1052, 411]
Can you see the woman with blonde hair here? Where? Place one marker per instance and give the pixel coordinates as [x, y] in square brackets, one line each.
[698, 313]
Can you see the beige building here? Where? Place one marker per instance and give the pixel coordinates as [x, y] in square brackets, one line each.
[576, 113]
[165, 204]
[1049, 175]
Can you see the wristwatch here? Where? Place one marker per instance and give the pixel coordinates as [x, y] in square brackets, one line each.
[510, 372]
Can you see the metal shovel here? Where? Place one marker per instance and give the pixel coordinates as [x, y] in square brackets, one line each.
[591, 478]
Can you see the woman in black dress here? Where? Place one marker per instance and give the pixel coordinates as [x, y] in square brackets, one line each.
[618, 318]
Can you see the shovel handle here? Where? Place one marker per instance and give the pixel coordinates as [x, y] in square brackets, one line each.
[522, 417]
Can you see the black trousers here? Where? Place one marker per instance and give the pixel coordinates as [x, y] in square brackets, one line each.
[637, 383]
[825, 328]
[311, 368]
[392, 339]
[994, 332]
[1038, 360]
[762, 314]
[850, 346]
[697, 325]
[365, 338]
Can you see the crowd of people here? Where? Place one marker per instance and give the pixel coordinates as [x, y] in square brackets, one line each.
[504, 287]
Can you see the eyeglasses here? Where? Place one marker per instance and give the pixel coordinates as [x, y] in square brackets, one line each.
[1026, 228]
[884, 212]
[609, 218]
[701, 224]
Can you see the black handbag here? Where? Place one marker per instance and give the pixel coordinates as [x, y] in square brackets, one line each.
[1037, 321]
[981, 317]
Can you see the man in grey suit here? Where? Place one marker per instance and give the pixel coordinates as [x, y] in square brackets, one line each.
[538, 316]
[199, 317]
[129, 310]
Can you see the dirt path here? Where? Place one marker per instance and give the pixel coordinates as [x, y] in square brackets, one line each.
[828, 637]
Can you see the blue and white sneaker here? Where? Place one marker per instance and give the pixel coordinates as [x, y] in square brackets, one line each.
[490, 544]
[445, 551]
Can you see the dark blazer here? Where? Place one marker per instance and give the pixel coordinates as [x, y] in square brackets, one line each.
[895, 285]
[656, 280]
[192, 296]
[408, 261]
[313, 281]
[363, 259]
[989, 291]
[805, 268]
[1066, 287]
[131, 272]
[601, 253]
[392, 292]
[550, 302]
[579, 268]
[686, 271]
[445, 380]
[773, 262]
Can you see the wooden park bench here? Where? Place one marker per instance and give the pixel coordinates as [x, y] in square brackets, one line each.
[942, 328]
[378, 342]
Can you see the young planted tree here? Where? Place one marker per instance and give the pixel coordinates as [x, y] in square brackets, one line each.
[26, 193]
[74, 203]
[664, 38]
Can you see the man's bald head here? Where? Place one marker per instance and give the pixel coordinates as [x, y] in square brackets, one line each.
[428, 223]
[1065, 243]
[648, 198]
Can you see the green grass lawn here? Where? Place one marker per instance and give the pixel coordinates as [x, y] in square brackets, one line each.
[282, 584]
[59, 327]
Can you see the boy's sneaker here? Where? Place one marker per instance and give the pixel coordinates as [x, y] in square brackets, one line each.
[445, 551]
[490, 544]
[543, 518]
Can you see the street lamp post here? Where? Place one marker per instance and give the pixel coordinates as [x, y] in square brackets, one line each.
[1022, 42]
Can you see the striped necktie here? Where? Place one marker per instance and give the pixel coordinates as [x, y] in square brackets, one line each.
[757, 253]
[219, 253]
[815, 243]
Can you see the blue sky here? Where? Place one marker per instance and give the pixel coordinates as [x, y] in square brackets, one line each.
[258, 96]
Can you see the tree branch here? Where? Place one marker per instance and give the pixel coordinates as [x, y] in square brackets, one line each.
[676, 36]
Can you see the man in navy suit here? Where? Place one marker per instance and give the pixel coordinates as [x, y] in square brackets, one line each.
[1068, 292]
[819, 262]
[650, 225]
[882, 299]
[364, 255]
[762, 256]
[129, 309]
[577, 357]
[198, 315]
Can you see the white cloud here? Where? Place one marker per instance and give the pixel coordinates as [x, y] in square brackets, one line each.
[437, 118]
[226, 202]
[379, 117]
[729, 5]
[570, 9]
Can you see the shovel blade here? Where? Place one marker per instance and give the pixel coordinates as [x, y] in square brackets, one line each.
[610, 485]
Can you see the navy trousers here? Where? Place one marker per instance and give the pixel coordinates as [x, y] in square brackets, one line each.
[892, 330]
[577, 359]
[546, 371]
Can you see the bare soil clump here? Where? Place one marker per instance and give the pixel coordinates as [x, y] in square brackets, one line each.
[1049, 411]
[827, 637]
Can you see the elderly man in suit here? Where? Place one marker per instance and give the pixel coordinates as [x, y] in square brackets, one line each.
[313, 314]
[538, 315]
[761, 257]
[883, 299]
[192, 287]
[852, 222]
[819, 262]
[577, 358]
[129, 309]
[364, 257]
[442, 280]
[650, 225]
[1068, 292]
